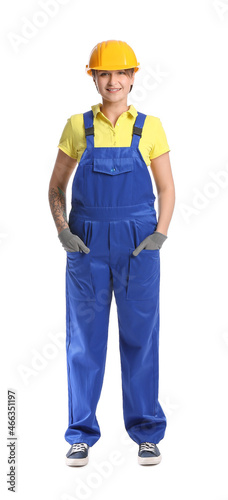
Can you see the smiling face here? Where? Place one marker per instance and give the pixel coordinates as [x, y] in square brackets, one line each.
[114, 85]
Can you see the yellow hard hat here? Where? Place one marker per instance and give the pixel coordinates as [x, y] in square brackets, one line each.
[112, 55]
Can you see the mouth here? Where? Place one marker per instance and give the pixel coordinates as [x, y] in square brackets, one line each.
[113, 90]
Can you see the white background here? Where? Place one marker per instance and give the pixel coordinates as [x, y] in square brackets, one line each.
[182, 48]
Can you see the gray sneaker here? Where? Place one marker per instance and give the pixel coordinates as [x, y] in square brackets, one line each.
[78, 454]
[148, 454]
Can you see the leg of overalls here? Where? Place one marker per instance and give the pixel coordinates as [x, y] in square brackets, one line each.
[136, 282]
[88, 300]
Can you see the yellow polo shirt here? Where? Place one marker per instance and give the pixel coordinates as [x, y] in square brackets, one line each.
[153, 141]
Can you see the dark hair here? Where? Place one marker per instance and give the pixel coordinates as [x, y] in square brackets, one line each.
[129, 72]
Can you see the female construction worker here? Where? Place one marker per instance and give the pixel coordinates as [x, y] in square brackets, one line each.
[113, 241]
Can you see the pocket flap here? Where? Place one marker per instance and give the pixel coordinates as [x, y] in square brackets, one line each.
[113, 166]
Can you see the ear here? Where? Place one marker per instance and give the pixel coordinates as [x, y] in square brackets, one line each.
[94, 79]
[95, 83]
[132, 78]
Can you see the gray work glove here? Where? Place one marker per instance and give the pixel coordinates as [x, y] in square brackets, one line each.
[71, 242]
[152, 242]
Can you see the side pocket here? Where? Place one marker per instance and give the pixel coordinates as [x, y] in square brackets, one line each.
[80, 286]
[144, 275]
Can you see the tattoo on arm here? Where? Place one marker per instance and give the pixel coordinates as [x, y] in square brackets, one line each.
[57, 200]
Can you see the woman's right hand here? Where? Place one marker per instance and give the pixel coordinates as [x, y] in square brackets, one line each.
[71, 242]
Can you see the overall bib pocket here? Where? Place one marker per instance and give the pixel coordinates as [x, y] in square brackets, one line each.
[78, 274]
[113, 166]
[144, 275]
[108, 182]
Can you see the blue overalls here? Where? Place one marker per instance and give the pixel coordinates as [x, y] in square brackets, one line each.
[112, 212]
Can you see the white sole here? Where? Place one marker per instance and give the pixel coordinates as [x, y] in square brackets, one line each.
[149, 460]
[75, 462]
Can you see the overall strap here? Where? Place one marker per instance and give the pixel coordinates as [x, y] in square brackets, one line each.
[89, 128]
[137, 129]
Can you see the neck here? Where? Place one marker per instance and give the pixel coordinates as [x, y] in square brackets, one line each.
[113, 110]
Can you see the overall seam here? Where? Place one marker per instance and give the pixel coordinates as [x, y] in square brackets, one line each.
[68, 344]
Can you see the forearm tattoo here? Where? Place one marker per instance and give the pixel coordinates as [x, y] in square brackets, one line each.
[57, 200]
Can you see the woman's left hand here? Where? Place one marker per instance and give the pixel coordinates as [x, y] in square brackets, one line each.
[152, 242]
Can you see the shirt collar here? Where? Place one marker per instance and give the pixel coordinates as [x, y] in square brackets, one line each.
[96, 109]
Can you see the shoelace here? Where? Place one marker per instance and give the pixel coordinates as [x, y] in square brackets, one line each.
[148, 447]
[78, 447]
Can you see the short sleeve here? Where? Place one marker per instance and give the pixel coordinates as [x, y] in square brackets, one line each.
[67, 140]
[160, 144]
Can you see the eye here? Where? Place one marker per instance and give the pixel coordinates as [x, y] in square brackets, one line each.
[123, 72]
[102, 74]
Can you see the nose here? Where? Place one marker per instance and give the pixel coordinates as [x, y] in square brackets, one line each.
[112, 80]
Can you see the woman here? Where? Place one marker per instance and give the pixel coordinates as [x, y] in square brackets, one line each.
[113, 240]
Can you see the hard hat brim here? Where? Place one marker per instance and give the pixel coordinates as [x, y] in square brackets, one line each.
[110, 68]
